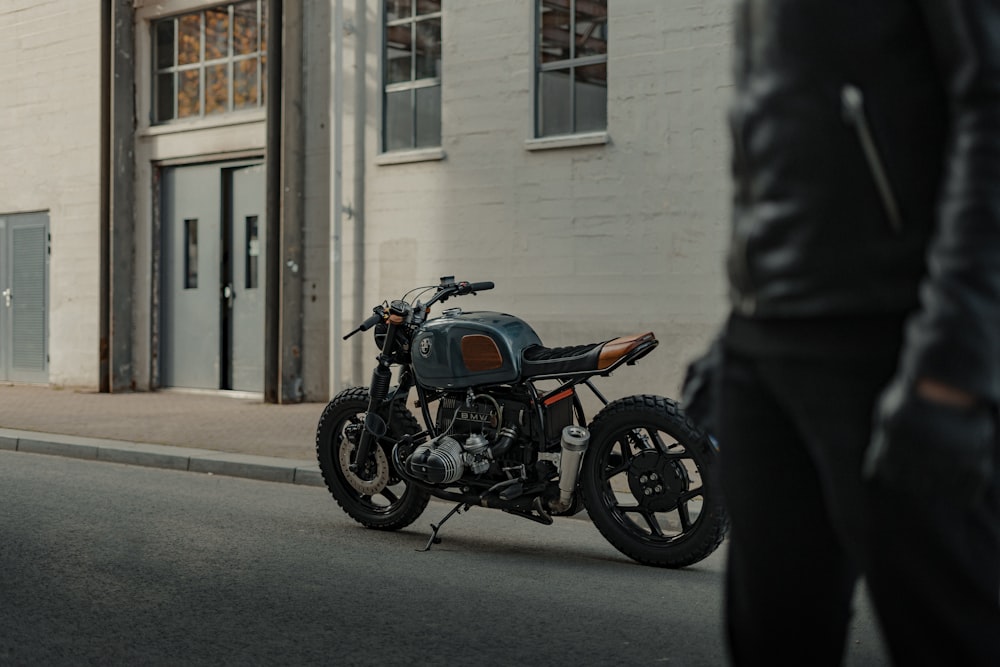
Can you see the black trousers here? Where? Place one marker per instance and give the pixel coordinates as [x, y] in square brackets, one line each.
[805, 526]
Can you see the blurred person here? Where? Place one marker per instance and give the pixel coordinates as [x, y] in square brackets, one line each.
[858, 377]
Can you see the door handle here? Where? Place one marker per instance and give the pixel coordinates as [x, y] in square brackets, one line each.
[229, 294]
[8, 295]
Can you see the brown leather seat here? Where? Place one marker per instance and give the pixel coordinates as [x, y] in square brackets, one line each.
[538, 360]
[615, 349]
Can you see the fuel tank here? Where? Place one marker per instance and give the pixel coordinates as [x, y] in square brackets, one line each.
[459, 350]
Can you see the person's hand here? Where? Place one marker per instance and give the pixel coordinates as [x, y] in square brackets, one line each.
[932, 440]
[698, 392]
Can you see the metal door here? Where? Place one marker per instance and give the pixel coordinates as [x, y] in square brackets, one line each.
[191, 279]
[212, 282]
[24, 277]
[247, 201]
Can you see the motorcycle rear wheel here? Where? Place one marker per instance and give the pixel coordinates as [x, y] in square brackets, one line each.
[382, 500]
[648, 483]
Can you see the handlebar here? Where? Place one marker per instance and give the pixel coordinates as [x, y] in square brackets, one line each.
[447, 288]
[378, 314]
[472, 288]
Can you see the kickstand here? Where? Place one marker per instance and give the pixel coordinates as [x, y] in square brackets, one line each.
[457, 509]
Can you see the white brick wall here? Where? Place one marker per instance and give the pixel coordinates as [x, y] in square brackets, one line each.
[585, 243]
[49, 143]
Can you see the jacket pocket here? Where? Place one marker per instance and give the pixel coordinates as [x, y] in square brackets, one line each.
[853, 106]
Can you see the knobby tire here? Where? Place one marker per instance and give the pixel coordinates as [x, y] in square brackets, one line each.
[401, 508]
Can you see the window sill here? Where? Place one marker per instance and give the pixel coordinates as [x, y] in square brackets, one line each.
[567, 141]
[406, 157]
[223, 120]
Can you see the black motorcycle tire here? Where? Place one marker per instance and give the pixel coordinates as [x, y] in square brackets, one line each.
[630, 439]
[396, 509]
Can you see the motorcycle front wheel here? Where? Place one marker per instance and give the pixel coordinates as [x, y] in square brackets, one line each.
[648, 483]
[372, 494]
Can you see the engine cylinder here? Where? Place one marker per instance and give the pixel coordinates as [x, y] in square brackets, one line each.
[438, 461]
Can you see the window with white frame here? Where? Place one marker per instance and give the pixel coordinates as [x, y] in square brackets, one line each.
[411, 74]
[210, 62]
[571, 67]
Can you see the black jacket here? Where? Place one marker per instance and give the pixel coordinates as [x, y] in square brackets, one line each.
[866, 164]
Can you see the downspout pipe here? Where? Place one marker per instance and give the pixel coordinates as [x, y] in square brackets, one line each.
[360, 118]
[337, 200]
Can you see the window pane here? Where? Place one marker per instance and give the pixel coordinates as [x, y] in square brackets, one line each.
[263, 80]
[165, 44]
[592, 28]
[252, 252]
[245, 28]
[428, 6]
[245, 84]
[189, 39]
[216, 33]
[591, 98]
[398, 9]
[398, 57]
[191, 253]
[216, 89]
[188, 102]
[263, 26]
[554, 103]
[428, 116]
[428, 49]
[398, 121]
[165, 96]
[554, 30]
[216, 51]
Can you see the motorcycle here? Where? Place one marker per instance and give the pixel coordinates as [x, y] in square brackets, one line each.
[495, 436]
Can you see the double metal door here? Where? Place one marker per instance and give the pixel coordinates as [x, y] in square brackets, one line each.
[24, 293]
[213, 277]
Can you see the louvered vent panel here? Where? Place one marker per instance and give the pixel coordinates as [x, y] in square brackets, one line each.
[28, 317]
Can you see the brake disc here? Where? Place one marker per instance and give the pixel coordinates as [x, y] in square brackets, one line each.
[380, 478]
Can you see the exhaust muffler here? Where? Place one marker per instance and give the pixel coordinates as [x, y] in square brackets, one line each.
[574, 444]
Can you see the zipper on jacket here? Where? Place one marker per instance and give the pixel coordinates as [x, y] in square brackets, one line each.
[853, 103]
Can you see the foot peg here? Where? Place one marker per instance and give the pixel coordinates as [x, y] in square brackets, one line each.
[512, 491]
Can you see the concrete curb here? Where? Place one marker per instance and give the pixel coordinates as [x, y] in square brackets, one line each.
[266, 468]
[207, 461]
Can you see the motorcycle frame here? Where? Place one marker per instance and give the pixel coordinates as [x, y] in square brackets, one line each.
[567, 381]
[401, 317]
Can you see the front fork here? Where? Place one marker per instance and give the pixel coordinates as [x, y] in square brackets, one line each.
[378, 390]
[375, 426]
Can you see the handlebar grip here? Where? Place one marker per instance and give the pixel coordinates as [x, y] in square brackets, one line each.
[370, 322]
[377, 316]
[467, 288]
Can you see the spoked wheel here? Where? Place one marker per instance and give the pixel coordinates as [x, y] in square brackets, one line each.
[373, 494]
[647, 484]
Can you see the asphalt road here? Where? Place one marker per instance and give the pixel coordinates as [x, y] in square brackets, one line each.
[109, 564]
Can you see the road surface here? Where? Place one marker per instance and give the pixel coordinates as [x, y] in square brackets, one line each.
[108, 564]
